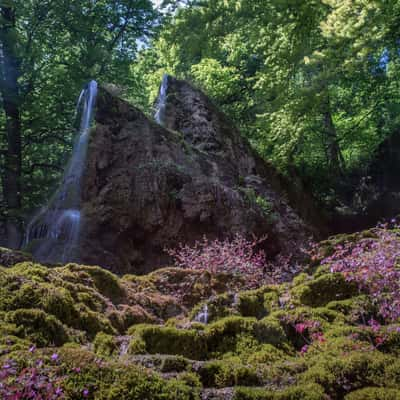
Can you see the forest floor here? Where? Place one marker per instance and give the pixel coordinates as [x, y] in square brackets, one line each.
[332, 332]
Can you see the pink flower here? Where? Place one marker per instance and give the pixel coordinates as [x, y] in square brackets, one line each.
[300, 328]
[304, 350]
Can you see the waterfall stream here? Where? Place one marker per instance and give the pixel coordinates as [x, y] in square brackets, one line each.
[53, 234]
[161, 101]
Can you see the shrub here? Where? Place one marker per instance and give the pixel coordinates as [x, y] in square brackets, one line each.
[238, 257]
[372, 263]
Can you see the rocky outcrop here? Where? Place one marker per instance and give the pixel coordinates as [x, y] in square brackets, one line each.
[148, 187]
[10, 257]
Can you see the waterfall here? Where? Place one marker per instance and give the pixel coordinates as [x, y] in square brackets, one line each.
[202, 316]
[161, 101]
[53, 234]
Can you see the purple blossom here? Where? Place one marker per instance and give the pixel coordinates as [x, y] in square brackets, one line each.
[237, 256]
[373, 263]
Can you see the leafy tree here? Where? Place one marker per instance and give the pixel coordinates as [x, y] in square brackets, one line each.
[312, 84]
[48, 50]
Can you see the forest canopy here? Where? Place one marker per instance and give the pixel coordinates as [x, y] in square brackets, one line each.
[313, 85]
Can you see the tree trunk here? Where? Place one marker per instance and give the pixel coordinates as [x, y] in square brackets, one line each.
[334, 155]
[9, 89]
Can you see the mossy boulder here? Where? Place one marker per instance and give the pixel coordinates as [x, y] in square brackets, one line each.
[324, 289]
[104, 281]
[357, 370]
[257, 303]
[300, 392]
[188, 343]
[373, 393]
[225, 373]
[105, 345]
[41, 328]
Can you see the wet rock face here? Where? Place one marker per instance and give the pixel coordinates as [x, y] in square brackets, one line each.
[147, 187]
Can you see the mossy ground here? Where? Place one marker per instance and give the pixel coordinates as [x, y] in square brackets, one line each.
[135, 337]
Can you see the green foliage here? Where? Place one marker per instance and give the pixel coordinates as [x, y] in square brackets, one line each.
[305, 81]
[59, 46]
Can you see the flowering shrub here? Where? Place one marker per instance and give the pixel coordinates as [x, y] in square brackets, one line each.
[237, 256]
[37, 381]
[374, 264]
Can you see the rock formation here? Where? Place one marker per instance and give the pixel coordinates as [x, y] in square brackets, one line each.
[147, 187]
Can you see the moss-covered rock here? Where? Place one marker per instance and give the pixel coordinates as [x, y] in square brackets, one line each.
[225, 373]
[9, 257]
[301, 392]
[37, 326]
[340, 375]
[104, 345]
[188, 343]
[324, 289]
[373, 393]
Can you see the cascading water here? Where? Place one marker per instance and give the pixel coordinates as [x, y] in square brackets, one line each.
[53, 234]
[202, 316]
[161, 101]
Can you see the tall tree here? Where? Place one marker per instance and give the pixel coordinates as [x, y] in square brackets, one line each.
[9, 88]
[312, 84]
[49, 49]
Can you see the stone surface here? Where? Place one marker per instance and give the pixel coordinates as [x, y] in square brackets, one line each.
[148, 187]
[10, 257]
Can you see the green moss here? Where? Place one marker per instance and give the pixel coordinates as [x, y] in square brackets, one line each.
[174, 364]
[59, 302]
[373, 393]
[105, 282]
[324, 289]
[353, 305]
[167, 340]
[267, 354]
[92, 322]
[271, 301]
[224, 373]
[391, 343]
[116, 382]
[218, 307]
[269, 330]
[300, 279]
[251, 303]
[339, 375]
[41, 328]
[301, 392]
[222, 336]
[104, 345]
[29, 270]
